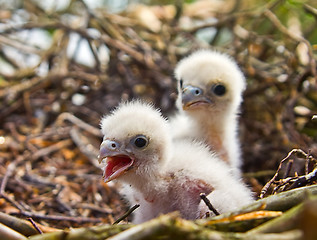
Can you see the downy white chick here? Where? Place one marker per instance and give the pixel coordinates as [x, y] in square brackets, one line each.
[210, 86]
[160, 175]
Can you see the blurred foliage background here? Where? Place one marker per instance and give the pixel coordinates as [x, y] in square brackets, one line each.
[64, 64]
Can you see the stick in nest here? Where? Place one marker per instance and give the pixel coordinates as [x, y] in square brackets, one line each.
[126, 214]
[35, 225]
[208, 203]
[304, 180]
[299, 152]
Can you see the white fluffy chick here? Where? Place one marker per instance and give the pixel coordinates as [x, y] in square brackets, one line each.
[210, 87]
[159, 174]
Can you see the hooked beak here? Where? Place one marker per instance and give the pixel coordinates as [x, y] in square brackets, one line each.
[194, 97]
[117, 161]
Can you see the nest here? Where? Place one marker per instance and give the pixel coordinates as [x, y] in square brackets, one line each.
[51, 99]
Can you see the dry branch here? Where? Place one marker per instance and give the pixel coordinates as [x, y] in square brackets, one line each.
[208, 203]
[288, 221]
[128, 213]
[167, 226]
[99, 232]
[277, 226]
[297, 152]
[9, 234]
[17, 224]
[285, 200]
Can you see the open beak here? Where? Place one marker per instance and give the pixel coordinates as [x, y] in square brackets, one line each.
[194, 97]
[117, 161]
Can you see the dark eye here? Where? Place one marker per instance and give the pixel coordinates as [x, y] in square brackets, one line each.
[140, 141]
[181, 83]
[219, 89]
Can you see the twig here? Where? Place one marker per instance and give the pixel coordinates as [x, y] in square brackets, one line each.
[276, 22]
[4, 182]
[208, 203]
[307, 161]
[304, 180]
[21, 46]
[12, 92]
[80, 123]
[310, 9]
[85, 146]
[62, 132]
[104, 231]
[53, 148]
[20, 225]
[283, 184]
[63, 204]
[126, 214]
[8, 173]
[268, 184]
[8, 110]
[13, 202]
[8, 233]
[35, 225]
[59, 218]
[285, 222]
[129, 50]
[104, 209]
[288, 168]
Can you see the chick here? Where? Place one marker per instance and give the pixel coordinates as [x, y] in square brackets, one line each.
[160, 174]
[210, 87]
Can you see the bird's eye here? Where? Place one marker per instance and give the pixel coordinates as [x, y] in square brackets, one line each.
[181, 83]
[140, 141]
[219, 89]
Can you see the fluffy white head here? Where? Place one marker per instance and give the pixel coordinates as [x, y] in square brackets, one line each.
[133, 119]
[207, 68]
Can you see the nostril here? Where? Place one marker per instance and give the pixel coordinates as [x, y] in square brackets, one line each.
[193, 91]
[110, 145]
[196, 91]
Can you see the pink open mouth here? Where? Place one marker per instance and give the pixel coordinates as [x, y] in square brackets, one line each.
[116, 166]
